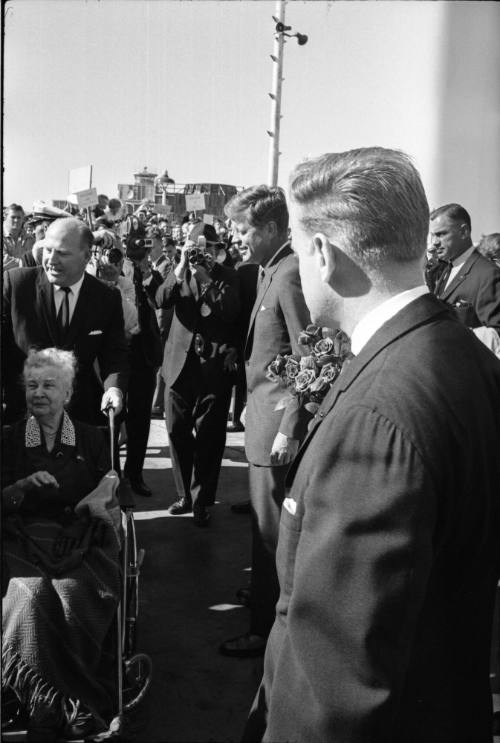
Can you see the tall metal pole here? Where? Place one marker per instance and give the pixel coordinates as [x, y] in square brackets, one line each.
[274, 131]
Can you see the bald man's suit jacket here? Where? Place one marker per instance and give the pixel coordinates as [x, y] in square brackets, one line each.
[475, 293]
[388, 553]
[95, 333]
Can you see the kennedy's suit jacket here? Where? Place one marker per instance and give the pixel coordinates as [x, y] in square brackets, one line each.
[96, 332]
[477, 284]
[388, 550]
[218, 327]
[278, 316]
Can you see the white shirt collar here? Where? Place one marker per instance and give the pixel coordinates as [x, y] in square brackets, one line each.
[274, 256]
[75, 288]
[373, 321]
[460, 260]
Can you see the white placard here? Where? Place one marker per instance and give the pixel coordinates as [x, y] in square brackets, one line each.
[208, 218]
[195, 202]
[80, 179]
[87, 198]
[162, 208]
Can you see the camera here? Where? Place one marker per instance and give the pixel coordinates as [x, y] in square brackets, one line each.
[196, 256]
[136, 249]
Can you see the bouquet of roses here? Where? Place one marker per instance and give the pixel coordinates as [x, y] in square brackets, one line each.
[310, 377]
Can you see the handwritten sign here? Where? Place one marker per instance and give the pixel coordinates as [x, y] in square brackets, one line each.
[87, 198]
[195, 202]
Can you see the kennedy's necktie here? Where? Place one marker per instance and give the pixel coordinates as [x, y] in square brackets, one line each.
[63, 315]
[260, 277]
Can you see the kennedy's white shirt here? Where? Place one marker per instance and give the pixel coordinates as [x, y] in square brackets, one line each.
[72, 296]
[377, 317]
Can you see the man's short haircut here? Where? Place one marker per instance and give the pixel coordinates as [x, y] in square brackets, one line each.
[114, 203]
[372, 198]
[455, 212]
[15, 208]
[260, 205]
[489, 246]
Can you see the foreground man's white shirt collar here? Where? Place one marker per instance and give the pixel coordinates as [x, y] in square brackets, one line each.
[374, 320]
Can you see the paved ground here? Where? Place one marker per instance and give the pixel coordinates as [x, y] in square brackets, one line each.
[189, 578]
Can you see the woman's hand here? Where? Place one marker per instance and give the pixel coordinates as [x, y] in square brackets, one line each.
[37, 480]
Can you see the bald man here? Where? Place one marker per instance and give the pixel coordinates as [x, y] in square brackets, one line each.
[59, 304]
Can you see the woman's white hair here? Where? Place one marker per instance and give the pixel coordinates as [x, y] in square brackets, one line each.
[64, 361]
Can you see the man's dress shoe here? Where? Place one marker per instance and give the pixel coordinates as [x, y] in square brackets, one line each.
[180, 507]
[244, 646]
[201, 517]
[140, 488]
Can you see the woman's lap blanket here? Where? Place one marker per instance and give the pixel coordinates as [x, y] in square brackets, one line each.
[59, 612]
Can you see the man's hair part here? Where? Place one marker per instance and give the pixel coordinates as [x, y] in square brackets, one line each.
[371, 197]
[260, 205]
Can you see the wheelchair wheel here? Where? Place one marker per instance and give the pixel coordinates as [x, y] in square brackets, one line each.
[137, 676]
[132, 567]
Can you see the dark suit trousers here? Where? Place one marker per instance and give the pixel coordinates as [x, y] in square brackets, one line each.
[267, 492]
[140, 393]
[196, 409]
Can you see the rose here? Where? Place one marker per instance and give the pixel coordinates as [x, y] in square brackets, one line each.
[292, 367]
[324, 346]
[310, 335]
[307, 362]
[276, 368]
[304, 379]
[330, 372]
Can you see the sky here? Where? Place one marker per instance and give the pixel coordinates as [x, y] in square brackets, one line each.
[183, 85]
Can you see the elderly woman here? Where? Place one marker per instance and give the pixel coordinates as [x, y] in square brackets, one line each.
[62, 557]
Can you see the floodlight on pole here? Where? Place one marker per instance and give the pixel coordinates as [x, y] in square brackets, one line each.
[281, 31]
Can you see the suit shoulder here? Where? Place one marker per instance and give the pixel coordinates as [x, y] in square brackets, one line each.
[485, 268]
[17, 276]
[288, 267]
[98, 287]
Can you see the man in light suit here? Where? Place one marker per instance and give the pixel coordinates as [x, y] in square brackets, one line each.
[272, 431]
[471, 284]
[198, 373]
[35, 300]
[388, 552]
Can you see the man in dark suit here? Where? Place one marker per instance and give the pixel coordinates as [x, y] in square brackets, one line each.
[388, 550]
[146, 353]
[198, 373]
[59, 304]
[471, 285]
[272, 429]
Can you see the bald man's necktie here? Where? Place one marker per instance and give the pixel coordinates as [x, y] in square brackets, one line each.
[443, 279]
[63, 315]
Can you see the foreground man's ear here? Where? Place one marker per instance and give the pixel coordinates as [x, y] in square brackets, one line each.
[325, 253]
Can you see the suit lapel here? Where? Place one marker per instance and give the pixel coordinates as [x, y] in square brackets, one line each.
[81, 312]
[417, 313]
[264, 286]
[461, 275]
[46, 306]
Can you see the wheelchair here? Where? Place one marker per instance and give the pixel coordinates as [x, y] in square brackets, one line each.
[133, 668]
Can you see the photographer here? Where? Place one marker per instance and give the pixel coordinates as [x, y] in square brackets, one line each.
[145, 358]
[198, 370]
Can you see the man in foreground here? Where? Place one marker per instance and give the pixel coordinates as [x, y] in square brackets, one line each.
[388, 551]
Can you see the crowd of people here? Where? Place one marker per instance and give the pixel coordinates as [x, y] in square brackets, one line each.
[375, 515]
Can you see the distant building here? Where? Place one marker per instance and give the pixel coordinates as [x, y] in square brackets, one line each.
[173, 199]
